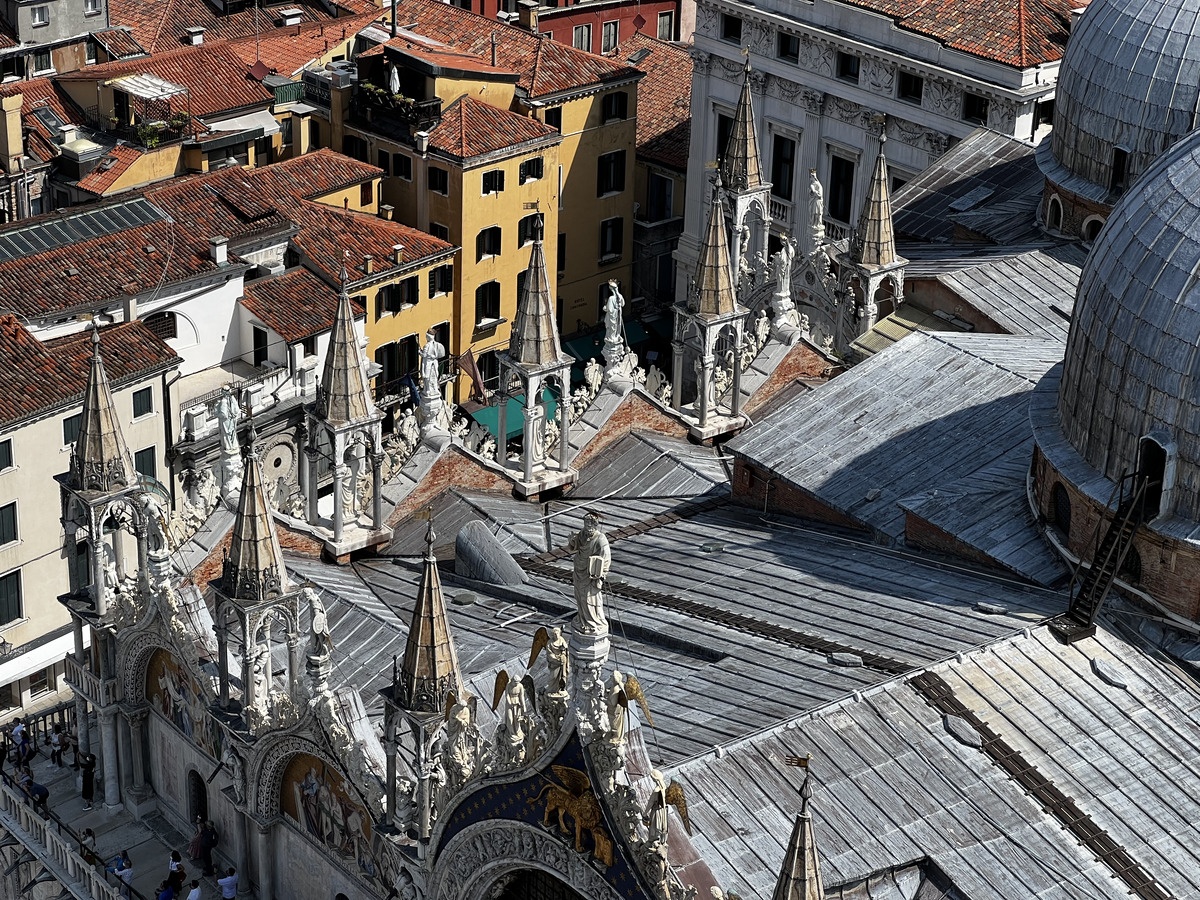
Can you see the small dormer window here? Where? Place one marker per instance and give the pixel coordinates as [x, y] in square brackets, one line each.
[1120, 169]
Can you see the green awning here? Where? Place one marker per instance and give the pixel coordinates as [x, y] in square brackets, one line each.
[489, 416]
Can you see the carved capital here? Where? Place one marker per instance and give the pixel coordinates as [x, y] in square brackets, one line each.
[701, 61]
[813, 101]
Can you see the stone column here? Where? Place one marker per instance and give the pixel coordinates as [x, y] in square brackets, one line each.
[266, 873]
[223, 663]
[124, 755]
[532, 412]
[706, 374]
[376, 490]
[302, 461]
[564, 420]
[424, 784]
[95, 542]
[313, 481]
[140, 535]
[389, 750]
[108, 751]
[248, 650]
[137, 738]
[82, 733]
[340, 473]
[735, 401]
[677, 352]
[293, 643]
[242, 853]
[502, 421]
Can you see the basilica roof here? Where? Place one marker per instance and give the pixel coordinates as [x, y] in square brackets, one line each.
[1132, 362]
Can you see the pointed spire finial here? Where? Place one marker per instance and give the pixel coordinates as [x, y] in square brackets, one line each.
[800, 874]
[95, 339]
[741, 163]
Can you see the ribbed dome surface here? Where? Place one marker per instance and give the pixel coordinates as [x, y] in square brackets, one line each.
[1133, 355]
[1130, 78]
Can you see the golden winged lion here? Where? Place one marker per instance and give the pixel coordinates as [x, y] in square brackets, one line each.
[575, 798]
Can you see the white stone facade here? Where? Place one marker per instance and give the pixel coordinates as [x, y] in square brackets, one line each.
[812, 101]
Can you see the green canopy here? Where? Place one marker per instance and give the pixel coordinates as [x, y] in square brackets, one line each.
[489, 416]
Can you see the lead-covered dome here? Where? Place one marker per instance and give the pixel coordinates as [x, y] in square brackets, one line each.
[1129, 81]
[1133, 355]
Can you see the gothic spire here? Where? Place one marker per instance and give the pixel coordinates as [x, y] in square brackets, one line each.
[713, 293]
[254, 569]
[430, 669]
[344, 396]
[740, 164]
[800, 877]
[874, 242]
[101, 460]
[534, 341]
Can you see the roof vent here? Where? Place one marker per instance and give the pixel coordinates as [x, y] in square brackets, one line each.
[71, 272]
[195, 35]
[1108, 673]
[290, 16]
[960, 729]
[150, 248]
[846, 660]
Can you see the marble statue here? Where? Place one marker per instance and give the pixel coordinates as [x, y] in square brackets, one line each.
[762, 329]
[658, 385]
[320, 642]
[816, 210]
[557, 662]
[432, 355]
[592, 561]
[237, 772]
[781, 265]
[615, 701]
[462, 751]
[593, 376]
[698, 368]
[227, 412]
[614, 319]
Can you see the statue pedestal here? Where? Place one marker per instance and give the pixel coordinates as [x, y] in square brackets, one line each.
[435, 414]
[785, 324]
[589, 653]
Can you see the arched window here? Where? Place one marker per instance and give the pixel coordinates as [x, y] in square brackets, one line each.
[1091, 228]
[1061, 512]
[1054, 214]
[163, 324]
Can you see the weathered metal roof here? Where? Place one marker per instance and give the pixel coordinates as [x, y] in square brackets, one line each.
[534, 341]
[927, 411]
[1132, 362]
[254, 570]
[1032, 293]
[1130, 78]
[895, 785]
[713, 295]
[344, 397]
[986, 172]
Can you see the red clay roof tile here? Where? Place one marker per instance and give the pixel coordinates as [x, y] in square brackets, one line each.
[295, 305]
[37, 377]
[119, 43]
[288, 50]
[109, 169]
[664, 100]
[470, 127]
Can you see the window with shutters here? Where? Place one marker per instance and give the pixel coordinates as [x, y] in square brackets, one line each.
[493, 182]
[610, 173]
[441, 280]
[487, 303]
[70, 427]
[612, 237]
[532, 169]
[10, 597]
[146, 462]
[143, 402]
[616, 106]
[439, 180]
[487, 243]
[8, 523]
[529, 229]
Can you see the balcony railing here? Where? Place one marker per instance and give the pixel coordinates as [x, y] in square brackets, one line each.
[837, 231]
[375, 103]
[99, 691]
[781, 211]
[292, 92]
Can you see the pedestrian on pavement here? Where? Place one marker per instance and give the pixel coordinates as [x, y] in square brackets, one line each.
[87, 846]
[122, 868]
[164, 892]
[57, 746]
[176, 873]
[228, 885]
[194, 846]
[208, 842]
[89, 779]
[194, 894]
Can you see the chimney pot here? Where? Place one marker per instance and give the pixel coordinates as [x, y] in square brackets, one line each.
[195, 35]
[495, 41]
[527, 16]
[369, 264]
[218, 249]
[398, 254]
[386, 210]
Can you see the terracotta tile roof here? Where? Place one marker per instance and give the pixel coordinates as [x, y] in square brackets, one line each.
[545, 66]
[313, 174]
[160, 25]
[1018, 33]
[37, 377]
[664, 98]
[295, 305]
[470, 127]
[106, 267]
[285, 51]
[109, 169]
[216, 77]
[119, 43]
[42, 93]
[441, 57]
[330, 236]
[225, 202]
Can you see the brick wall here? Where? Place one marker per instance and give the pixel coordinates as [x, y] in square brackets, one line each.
[635, 413]
[1170, 568]
[454, 468]
[750, 484]
[802, 361]
[1075, 209]
[920, 533]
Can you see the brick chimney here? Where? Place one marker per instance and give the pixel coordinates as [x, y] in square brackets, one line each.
[12, 145]
[527, 15]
